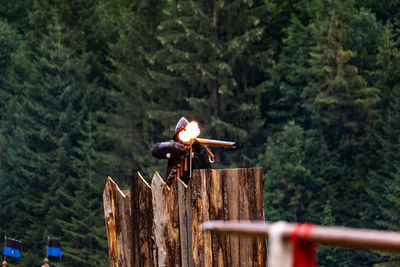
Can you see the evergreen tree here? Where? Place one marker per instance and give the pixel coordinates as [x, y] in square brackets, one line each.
[55, 102]
[343, 97]
[16, 14]
[290, 186]
[9, 42]
[385, 179]
[343, 108]
[283, 100]
[318, 76]
[80, 197]
[208, 72]
[87, 36]
[387, 75]
[384, 10]
[130, 125]
[363, 35]
[23, 170]
[387, 80]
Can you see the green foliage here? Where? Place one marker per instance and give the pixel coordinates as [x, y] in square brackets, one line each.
[16, 13]
[206, 68]
[336, 89]
[325, 75]
[386, 195]
[9, 42]
[129, 127]
[290, 186]
[53, 95]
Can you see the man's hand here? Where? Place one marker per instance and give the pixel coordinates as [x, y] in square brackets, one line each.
[196, 146]
[177, 147]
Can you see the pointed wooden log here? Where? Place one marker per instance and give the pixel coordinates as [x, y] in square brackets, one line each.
[255, 195]
[118, 224]
[143, 247]
[185, 224]
[127, 227]
[217, 192]
[198, 210]
[230, 180]
[166, 222]
[233, 194]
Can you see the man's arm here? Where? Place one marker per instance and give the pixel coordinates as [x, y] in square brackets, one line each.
[163, 150]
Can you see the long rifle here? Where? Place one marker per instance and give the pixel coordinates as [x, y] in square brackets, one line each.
[191, 133]
[205, 143]
[217, 143]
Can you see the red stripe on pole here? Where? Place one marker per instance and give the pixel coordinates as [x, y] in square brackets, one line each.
[304, 253]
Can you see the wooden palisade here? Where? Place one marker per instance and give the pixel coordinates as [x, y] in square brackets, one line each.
[164, 222]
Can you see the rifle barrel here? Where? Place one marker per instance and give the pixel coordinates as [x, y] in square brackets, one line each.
[218, 143]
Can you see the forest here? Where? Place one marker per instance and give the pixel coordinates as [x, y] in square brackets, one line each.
[309, 91]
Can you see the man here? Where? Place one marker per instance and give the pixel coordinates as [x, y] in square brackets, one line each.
[45, 262]
[178, 155]
[4, 264]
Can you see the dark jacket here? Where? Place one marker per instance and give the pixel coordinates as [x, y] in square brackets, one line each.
[168, 150]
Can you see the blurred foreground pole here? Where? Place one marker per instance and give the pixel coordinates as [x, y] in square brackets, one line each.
[323, 235]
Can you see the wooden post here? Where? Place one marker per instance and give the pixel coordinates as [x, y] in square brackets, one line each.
[144, 253]
[185, 226]
[233, 194]
[166, 222]
[198, 210]
[118, 225]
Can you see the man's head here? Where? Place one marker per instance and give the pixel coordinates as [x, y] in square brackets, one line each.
[4, 263]
[179, 127]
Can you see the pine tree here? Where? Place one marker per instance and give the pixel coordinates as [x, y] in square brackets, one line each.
[387, 75]
[129, 130]
[290, 186]
[207, 69]
[22, 171]
[57, 104]
[336, 103]
[80, 195]
[9, 43]
[283, 100]
[16, 14]
[385, 179]
[340, 93]
[387, 80]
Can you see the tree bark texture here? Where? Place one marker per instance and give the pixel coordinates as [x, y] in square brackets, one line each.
[118, 219]
[161, 225]
[143, 247]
